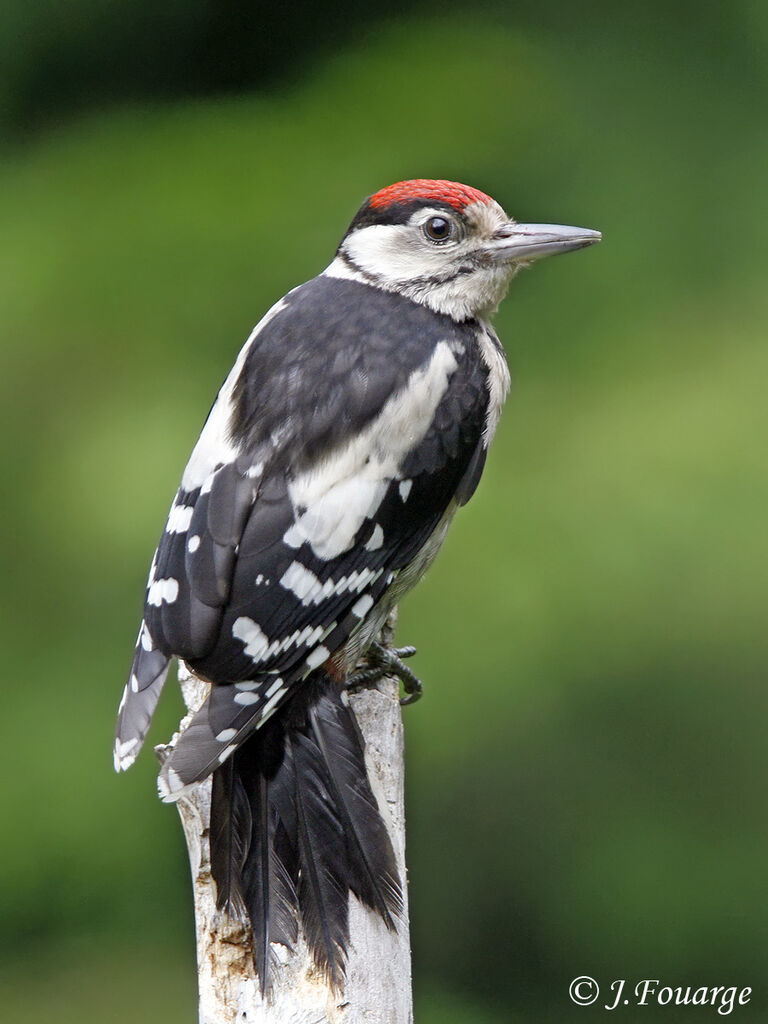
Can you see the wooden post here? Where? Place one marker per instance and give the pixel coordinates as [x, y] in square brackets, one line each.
[378, 986]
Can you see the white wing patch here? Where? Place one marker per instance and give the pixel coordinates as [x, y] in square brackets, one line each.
[332, 500]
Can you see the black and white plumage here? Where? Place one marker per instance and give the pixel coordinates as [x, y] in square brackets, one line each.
[353, 424]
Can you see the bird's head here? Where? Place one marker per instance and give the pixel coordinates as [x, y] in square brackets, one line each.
[446, 245]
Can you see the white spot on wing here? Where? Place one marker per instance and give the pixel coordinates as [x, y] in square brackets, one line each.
[260, 649]
[193, 543]
[252, 635]
[226, 752]
[179, 519]
[226, 735]
[317, 657]
[245, 698]
[404, 488]
[145, 637]
[301, 581]
[274, 687]
[163, 590]
[272, 703]
[362, 606]
[309, 636]
[376, 539]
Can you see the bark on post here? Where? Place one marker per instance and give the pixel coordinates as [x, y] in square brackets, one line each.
[378, 987]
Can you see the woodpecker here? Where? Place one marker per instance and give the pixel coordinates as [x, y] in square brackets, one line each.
[354, 423]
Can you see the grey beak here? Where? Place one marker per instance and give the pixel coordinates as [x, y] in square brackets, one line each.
[532, 241]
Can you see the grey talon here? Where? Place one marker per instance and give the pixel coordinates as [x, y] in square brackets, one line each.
[383, 661]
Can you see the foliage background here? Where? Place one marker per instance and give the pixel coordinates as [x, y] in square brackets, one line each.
[587, 773]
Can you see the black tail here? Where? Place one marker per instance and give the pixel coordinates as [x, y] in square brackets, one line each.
[295, 828]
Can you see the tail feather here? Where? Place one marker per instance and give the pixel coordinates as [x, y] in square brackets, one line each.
[256, 869]
[231, 830]
[313, 834]
[373, 871]
[257, 878]
[284, 925]
[276, 822]
[270, 891]
[323, 878]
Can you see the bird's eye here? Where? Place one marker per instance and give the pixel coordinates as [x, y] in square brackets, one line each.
[439, 229]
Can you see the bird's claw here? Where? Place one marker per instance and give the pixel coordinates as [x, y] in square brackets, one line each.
[388, 661]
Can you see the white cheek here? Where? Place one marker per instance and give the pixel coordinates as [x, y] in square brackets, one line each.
[396, 252]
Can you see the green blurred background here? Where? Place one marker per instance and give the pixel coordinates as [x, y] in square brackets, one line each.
[587, 772]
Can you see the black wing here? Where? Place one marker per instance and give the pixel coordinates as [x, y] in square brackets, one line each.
[273, 560]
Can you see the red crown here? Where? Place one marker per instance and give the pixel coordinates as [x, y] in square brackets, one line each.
[450, 192]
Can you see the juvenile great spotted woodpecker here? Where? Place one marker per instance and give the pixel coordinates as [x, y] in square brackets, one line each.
[353, 425]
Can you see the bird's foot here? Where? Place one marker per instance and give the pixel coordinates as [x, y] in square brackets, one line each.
[383, 661]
